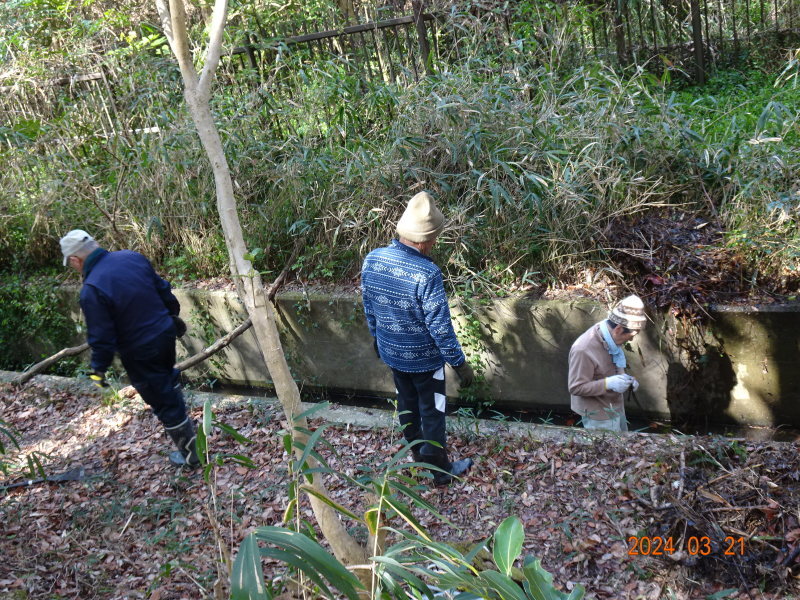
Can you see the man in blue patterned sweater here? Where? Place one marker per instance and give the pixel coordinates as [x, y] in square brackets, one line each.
[409, 319]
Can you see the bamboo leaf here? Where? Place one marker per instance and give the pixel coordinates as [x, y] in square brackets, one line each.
[232, 432]
[300, 564]
[405, 574]
[208, 417]
[406, 515]
[241, 459]
[417, 499]
[371, 518]
[309, 445]
[315, 556]
[9, 433]
[201, 443]
[247, 578]
[469, 557]
[507, 545]
[538, 583]
[290, 507]
[314, 408]
[507, 588]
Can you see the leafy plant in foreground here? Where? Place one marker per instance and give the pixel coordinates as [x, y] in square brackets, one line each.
[416, 566]
[7, 435]
[209, 463]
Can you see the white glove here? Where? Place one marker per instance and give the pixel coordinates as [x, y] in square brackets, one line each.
[635, 384]
[619, 383]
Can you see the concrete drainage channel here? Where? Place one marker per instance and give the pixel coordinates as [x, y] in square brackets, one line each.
[356, 410]
[738, 368]
[356, 416]
[563, 424]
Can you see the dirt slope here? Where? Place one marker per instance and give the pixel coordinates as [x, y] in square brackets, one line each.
[139, 529]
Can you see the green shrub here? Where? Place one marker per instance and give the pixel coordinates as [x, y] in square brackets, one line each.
[34, 322]
[532, 149]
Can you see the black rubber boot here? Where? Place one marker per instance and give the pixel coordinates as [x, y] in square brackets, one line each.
[184, 437]
[454, 469]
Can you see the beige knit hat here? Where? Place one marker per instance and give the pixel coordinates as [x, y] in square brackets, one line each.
[422, 221]
[629, 313]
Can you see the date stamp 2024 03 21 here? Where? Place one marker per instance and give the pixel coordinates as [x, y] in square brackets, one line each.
[694, 546]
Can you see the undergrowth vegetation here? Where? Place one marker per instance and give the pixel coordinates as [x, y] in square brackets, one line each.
[533, 152]
[35, 322]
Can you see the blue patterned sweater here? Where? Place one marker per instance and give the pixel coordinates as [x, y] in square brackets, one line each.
[407, 310]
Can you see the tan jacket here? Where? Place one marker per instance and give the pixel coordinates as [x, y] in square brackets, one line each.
[589, 365]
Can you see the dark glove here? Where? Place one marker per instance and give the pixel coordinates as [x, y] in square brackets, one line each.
[375, 345]
[99, 379]
[180, 326]
[465, 374]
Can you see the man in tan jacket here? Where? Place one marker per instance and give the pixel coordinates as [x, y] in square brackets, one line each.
[597, 378]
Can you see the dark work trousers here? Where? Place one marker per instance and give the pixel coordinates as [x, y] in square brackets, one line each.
[421, 403]
[151, 369]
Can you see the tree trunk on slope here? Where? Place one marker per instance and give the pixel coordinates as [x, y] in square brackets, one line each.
[251, 291]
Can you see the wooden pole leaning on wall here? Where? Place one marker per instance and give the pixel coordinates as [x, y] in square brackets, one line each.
[41, 366]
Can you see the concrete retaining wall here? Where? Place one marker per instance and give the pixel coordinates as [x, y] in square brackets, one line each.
[740, 369]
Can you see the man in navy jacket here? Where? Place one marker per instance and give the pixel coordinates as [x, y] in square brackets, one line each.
[131, 310]
[408, 315]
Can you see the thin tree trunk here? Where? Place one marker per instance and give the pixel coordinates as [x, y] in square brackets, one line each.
[260, 310]
[263, 317]
[348, 11]
[244, 325]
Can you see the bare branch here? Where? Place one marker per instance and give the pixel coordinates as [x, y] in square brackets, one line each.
[41, 366]
[215, 347]
[180, 44]
[218, 20]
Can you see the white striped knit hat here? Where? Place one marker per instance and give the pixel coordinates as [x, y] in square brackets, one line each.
[629, 313]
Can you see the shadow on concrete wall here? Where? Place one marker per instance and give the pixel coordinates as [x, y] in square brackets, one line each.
[764, 347]
[527, 344]
[209, 316]
[699, 389]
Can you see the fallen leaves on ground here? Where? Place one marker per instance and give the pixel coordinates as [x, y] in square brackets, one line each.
[138, 528]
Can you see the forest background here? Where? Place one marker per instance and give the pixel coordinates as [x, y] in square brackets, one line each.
[559, 166]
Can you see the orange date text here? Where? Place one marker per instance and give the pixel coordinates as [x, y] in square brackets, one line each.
[694, 546]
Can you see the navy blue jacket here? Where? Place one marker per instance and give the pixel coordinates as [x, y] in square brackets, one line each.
[125, 303]
[407, 310]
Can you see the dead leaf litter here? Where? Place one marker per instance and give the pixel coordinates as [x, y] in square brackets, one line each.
[640, 517]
